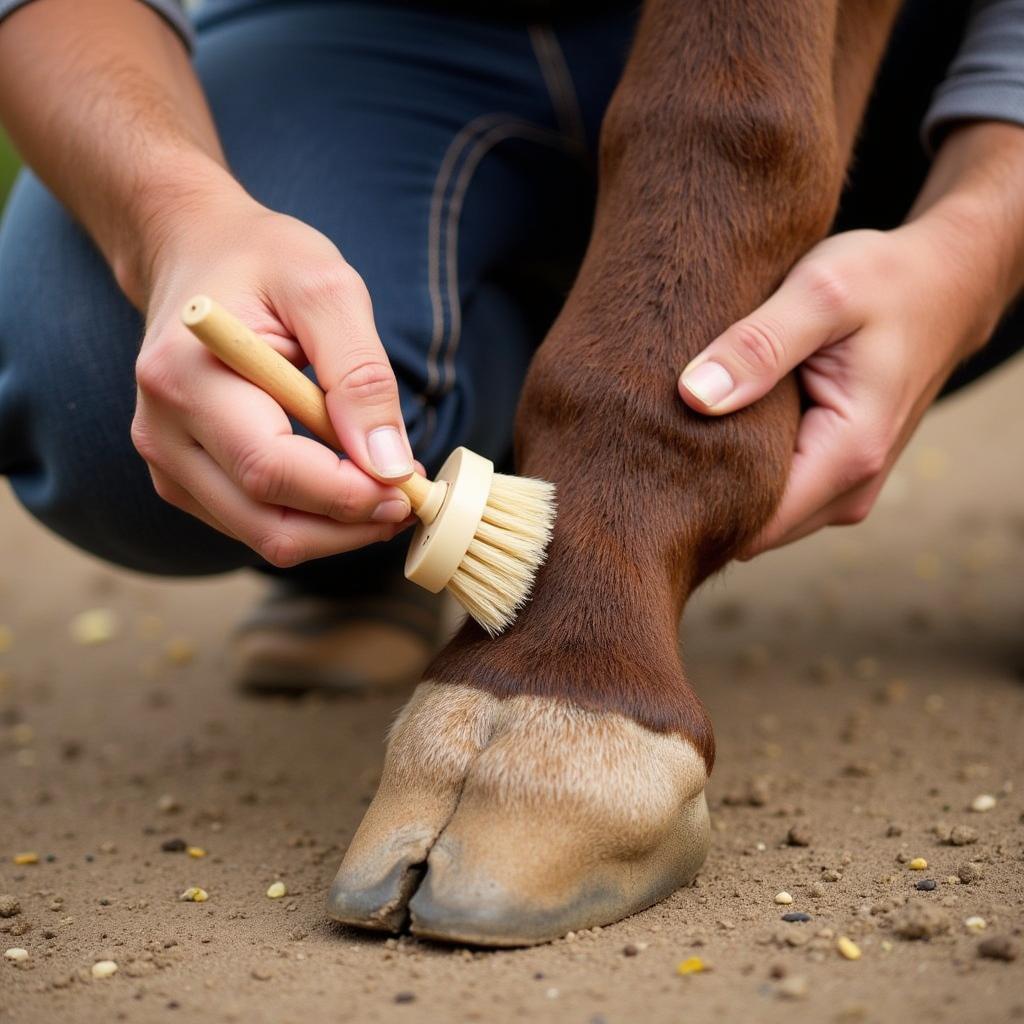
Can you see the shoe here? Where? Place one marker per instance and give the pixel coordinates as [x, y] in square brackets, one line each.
[297, 642]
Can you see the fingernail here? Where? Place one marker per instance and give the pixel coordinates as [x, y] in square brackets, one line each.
[391, 511]
[710, 382]
[389, 452]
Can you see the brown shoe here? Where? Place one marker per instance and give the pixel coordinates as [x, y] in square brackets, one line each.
[295, 641]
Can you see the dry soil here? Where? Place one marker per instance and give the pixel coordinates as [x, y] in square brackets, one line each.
[866, 687]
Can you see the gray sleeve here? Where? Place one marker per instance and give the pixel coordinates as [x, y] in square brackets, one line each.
[171, 10]
[986, 79]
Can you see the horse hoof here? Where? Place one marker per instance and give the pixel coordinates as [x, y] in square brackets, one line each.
[511, 822]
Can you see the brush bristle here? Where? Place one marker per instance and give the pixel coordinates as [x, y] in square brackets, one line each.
[496, 576]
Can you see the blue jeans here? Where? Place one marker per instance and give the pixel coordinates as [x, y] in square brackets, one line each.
[450, 158]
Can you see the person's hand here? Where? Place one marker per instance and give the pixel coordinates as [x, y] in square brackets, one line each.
[875, 322]
[216, 445]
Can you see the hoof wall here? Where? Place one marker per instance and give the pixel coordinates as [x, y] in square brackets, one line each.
[508, 823]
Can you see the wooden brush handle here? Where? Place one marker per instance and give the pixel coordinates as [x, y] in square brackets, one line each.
[254, 359]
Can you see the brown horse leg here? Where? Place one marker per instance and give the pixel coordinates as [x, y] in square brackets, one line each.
[553, 779]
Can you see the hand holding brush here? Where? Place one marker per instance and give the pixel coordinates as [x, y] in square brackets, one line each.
[482, 534]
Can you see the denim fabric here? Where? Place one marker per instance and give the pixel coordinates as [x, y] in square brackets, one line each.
[451, 159]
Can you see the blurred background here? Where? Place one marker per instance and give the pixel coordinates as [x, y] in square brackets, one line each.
[8, 167]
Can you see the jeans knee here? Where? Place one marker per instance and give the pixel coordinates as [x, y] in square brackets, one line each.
[99, 497]
[68, 343]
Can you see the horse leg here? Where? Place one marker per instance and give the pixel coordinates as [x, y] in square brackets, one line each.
[553, 778]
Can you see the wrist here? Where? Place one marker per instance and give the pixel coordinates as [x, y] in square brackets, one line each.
[972, 207]
[956, 244]
[177, 194]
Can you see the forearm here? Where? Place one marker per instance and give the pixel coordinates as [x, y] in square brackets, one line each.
[974, 199]
[102, 102]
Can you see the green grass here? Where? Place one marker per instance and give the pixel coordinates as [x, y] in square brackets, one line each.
[8, 167]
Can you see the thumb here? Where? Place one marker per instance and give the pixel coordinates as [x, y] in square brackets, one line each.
[755, 353]
[334, 324]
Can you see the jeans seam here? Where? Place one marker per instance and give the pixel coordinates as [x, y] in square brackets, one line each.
[486, 131]
[455, 148]
[518, 129]
[554, 69]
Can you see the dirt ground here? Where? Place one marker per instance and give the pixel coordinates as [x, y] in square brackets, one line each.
[866, 686]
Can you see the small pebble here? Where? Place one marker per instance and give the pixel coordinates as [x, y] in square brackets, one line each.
[167, 804]
[793, 987]
[691, 965]
[999, 947]
[175, 845]
[277, 890]
[630, 949]
[847, 948]
[405, 997]
[261, 974]
[16, 955]
[962, 835]
[104, 969]
[796, 915]
[918, 864]
[9, 906]
[983, 802]
[179, 651]
[969, 872]
[783, 899]
[975, 924]
[96, 626]
[920, 920]
[26, 858]
[798, 836]
[926, 884]
[196, 851]
[194, 895]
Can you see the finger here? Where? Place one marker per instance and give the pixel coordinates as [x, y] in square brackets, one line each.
[250, 438]
[176, 495]
[156, 438]
[284, 537]
[253, 311]
[809, 311]
[834, 456]
[332, 316]
[846, 510]
[853, 506]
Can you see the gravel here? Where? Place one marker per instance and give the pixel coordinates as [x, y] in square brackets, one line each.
[999, 947]
[918, 920]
